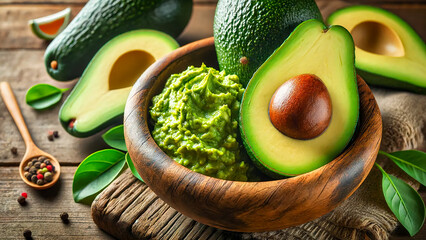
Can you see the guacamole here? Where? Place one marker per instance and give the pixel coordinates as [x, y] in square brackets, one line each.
[196, 123]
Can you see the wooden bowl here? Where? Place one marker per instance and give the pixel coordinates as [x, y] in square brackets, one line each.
[243, 206]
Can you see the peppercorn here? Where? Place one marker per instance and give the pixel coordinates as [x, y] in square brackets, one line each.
[50, 137]
[27, 234]
[47, 162]
[43, 165]
[37, 165]
[14, 150]
[40, 176]
[42, 158]
[49, 168]
[40, 182]
[64, 216]
[28, 176]
[40, 171]
[30, 164]
[24, 194]
[48, 177]
[56, 134]
[34, 178]
[26, 168]
[53, 168]
[21, 200]
[33, 170]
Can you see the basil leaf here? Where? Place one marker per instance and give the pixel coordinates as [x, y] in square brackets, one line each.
[42, 96]
[404, 202]
[115, 138]
[132, 167]
[95, 173]
[412, 162]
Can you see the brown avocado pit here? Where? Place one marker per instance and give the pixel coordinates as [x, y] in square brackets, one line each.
[301, 107]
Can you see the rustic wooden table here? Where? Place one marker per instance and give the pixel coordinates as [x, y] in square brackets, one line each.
[21, 64]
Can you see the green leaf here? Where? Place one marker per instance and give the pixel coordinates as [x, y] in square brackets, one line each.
[404, 202]
[132, 167]
[412, 162]
[115, 138]
[95, 173]
[42, 96]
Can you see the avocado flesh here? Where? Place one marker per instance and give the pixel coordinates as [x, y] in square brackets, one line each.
[388, 51]
[311, 49]
[99, 98]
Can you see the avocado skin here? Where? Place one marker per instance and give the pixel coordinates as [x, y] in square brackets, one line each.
[388, 82]
[254, 29]
[118, 119]
[101, 20]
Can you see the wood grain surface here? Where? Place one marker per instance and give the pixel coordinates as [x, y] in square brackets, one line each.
[21, 64]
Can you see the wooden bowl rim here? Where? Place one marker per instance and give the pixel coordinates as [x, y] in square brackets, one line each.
[135, 111]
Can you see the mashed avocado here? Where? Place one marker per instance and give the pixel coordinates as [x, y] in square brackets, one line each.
[196, 122]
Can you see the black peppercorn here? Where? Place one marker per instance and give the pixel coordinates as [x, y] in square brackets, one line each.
[27, 234]
[64, 217]
[33, 170]
[21, 200]
[28, 176]
[41, 158]
[37, 165]
[40, 182]
[34, 178]
[56, 134]
[50, 137]
[26, 168]
[14, 150]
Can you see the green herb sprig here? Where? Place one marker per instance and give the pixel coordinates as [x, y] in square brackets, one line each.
[43, 96]
[95, 173]
[114, 137]
[101, 168]
[405, 203]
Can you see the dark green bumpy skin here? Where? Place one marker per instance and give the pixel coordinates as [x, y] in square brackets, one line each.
[254, 29]
[101, 20]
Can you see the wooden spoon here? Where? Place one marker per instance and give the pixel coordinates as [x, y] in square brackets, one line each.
[32, 151]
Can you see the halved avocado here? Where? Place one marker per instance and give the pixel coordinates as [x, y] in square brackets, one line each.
[313, 49]
[388, 51]
[98, 99]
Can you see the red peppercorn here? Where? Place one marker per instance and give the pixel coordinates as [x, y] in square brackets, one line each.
[24, 194]
[49, 168]
[40, 176]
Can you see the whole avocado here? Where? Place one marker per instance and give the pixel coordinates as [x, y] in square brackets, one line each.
[247, 32]
[100, 21]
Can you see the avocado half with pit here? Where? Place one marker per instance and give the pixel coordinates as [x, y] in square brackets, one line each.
[99, 98]
[388, 51]
[309, 82]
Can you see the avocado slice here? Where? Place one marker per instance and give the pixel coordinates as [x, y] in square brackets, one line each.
[388, 51]
[98, 99]
[99, 21]
[313, 49]
[247, 32]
